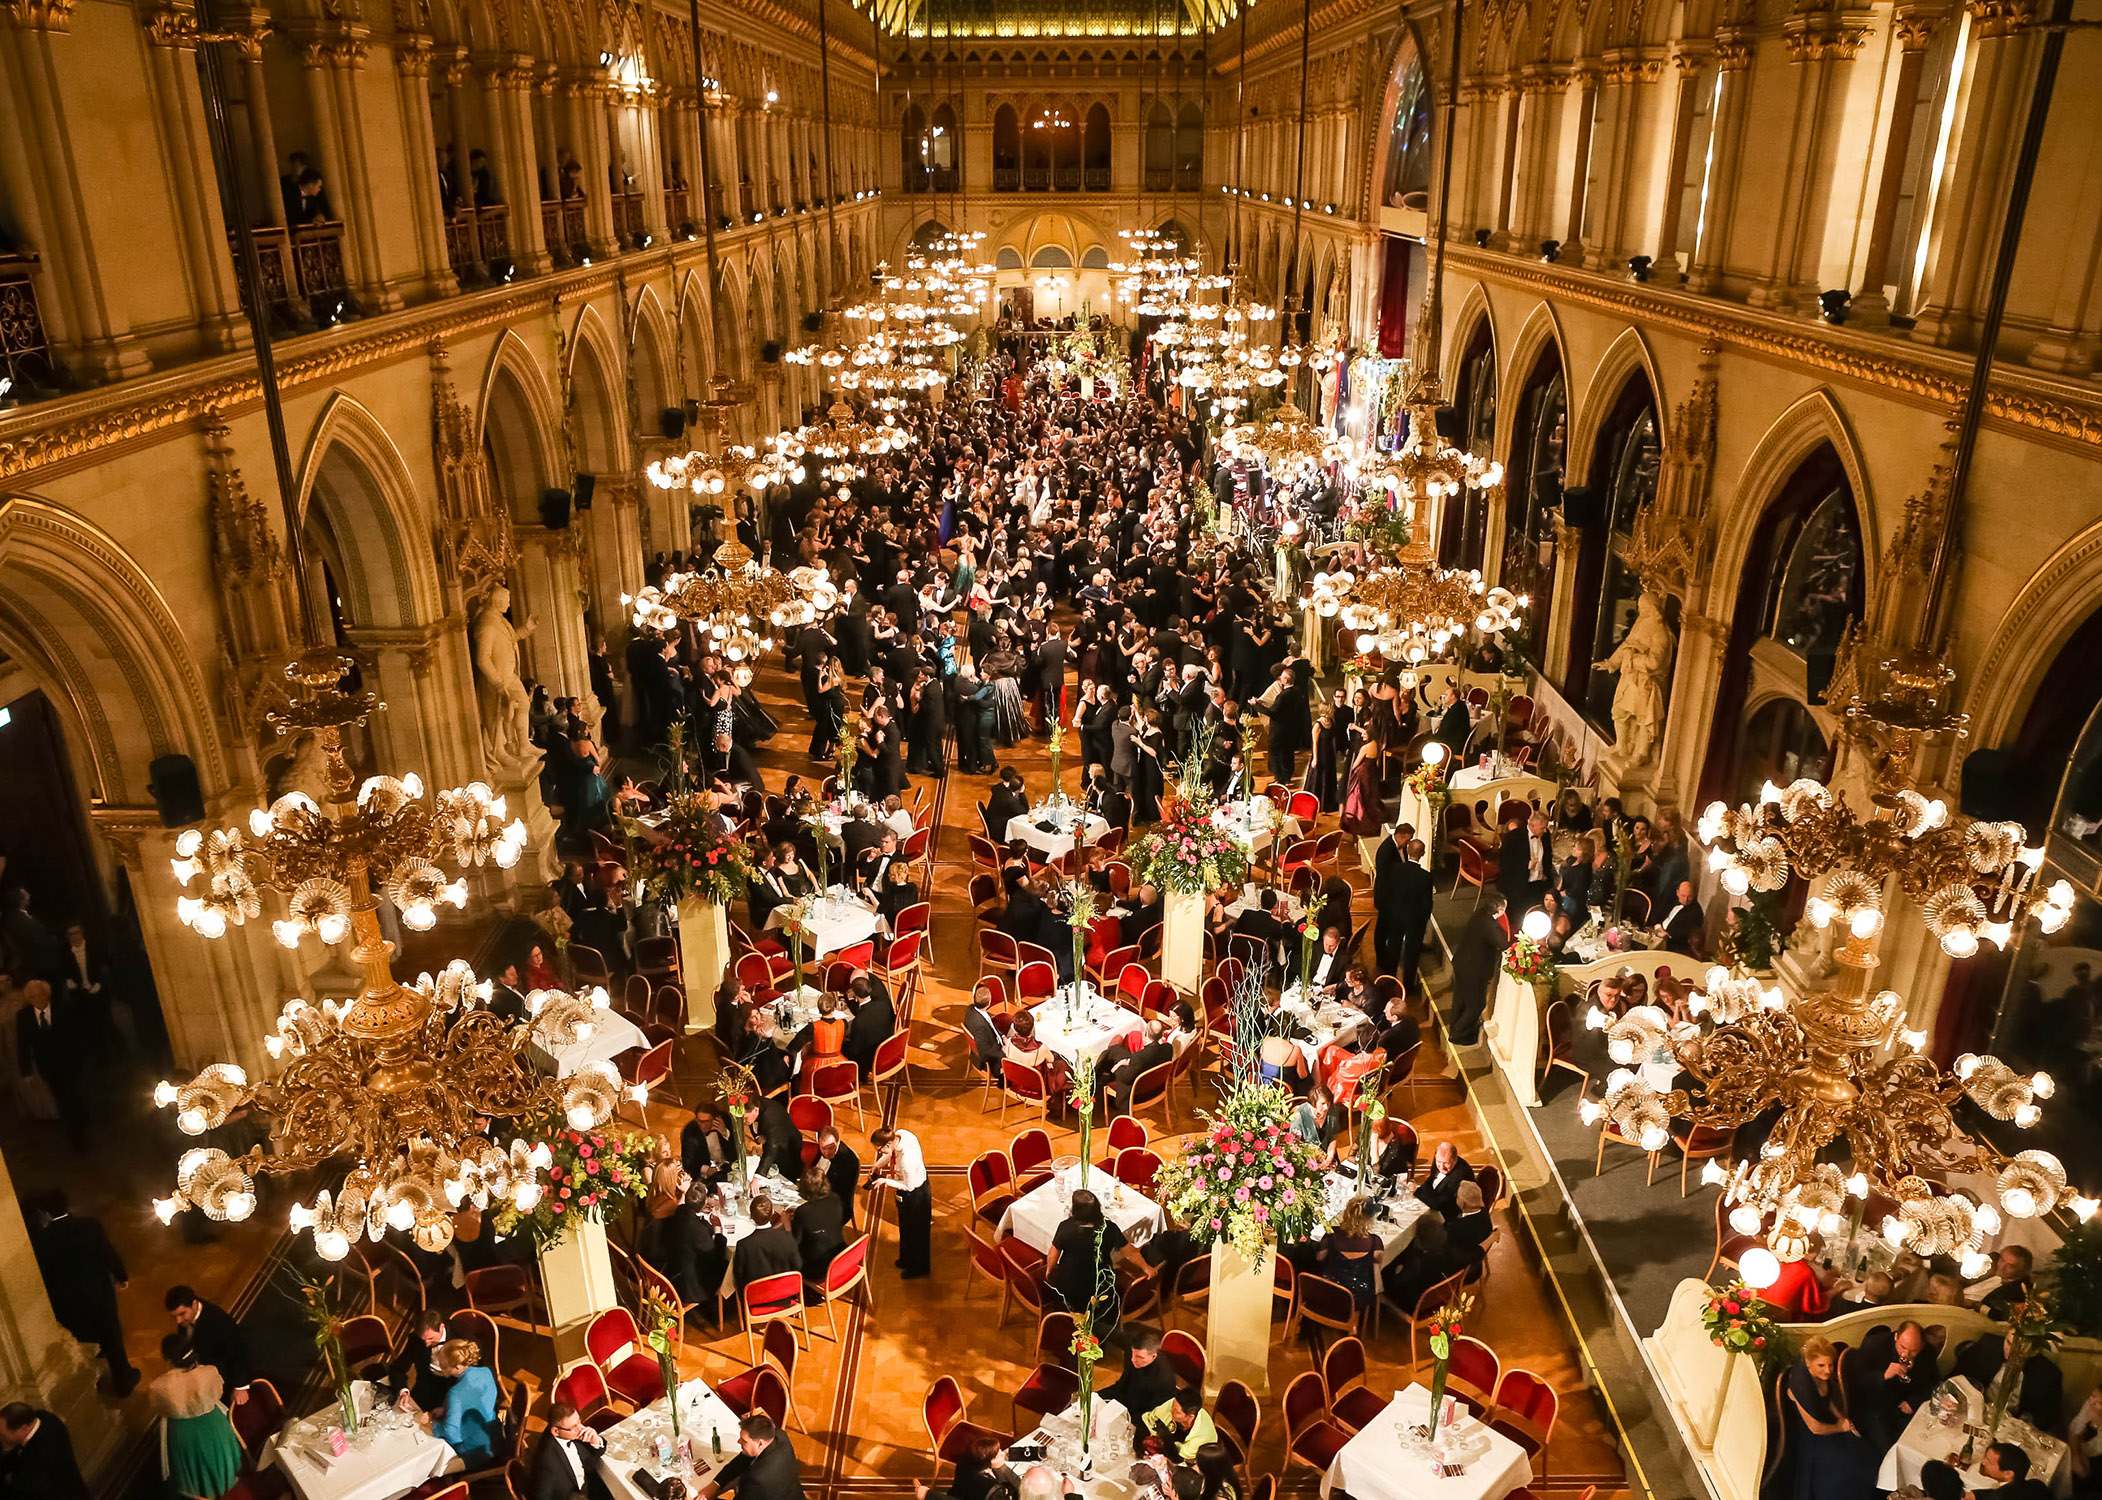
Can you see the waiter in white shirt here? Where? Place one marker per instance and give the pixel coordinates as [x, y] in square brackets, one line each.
[900, 1167]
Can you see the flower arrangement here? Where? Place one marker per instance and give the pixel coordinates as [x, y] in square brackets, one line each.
[1058, 751]
[1187, 852]
[1309, 929]
[591, 1174]
[1248, 1180]
[1366, 664]
[1087, 1353]
[1427, 780]
[1444, 1328]
[849, 753]
[738, 1088]
[2031, 1329]
[1737, 1321]
[323, 1313]
[1080, 920]
[661, 1316]
[690, 854]
[1529, 962]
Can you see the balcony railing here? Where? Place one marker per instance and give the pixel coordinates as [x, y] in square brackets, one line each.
[1036, 179]
[1098, 179]
[627, 218]
[1189, 177]
[302, 271]
[478, 240]
[317, 260]
[930, 179]
[1066, 179]
[675, 214]
[1007, 179]
[562, 225]
[1158, 178]
[25, 349]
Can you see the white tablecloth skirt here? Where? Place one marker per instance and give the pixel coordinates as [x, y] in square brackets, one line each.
[380, 1465]
[1377, 1465]
[611, 1034]
[1097, 1022]
[1924, 1438]
[632, 1444]
[1057, 842]
[837, 920]
[1034, 1218]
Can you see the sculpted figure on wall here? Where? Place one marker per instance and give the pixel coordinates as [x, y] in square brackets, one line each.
[499, 688]
[1643, 660]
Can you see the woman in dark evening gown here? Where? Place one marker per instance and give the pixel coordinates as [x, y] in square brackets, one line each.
[1151, 775]
[1321, 777]
[1832, 1460]
[1364, 804]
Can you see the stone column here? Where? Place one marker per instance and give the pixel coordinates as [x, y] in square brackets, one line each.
[200, 224]
[547, 187]
[1820, 47]
[328, 60]
[1687, 66]
[1587, 88]
[463, 143]
[40, 1362]
[649, 117]
[588, 142]
[1689, 713]
[1533, 190]
[52, 202]
[262, 133]
[1914, 29]
[528, 148]
[427, 209]
[1513, 94]
[1733, 62]
[1628, 79]
[1569, 543]
[1965, 233]
[1237, 1318]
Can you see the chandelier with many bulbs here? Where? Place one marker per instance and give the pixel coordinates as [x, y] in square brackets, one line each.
[739, 604]
[1411, 610]
[1425, 466]
[1839, 1064]
[398, 1078]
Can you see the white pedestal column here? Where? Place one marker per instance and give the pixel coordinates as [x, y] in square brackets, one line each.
[1237, 1319]
[577, 1276]
[704, 952]
[1182, 941]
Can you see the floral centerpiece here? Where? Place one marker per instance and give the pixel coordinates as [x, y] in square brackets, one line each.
[738, 1088]
[1369, 665]
[1738, 1322]
[1058, 752]
[1444, 1328]
[2031, 1329]
[1248, 1179]
[661, 1316]
[323, 1312]
[1309, 929]
[1528, 961]
[1087, 1353]
[821, 836]
[690, 854]
[1080, 921]
[1187, 852]
[591, 1174]
[1370, 1111]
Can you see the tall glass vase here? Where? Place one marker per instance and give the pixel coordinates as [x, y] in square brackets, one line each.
[346, 1391]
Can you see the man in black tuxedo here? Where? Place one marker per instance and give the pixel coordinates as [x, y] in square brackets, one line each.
[216, 1338]
[1331, 965]
[875, 1021]
[1156, 1051]
[1005, 802]
[765, 1467]
[1291, 728]
[1260, 922]
[1454, 724]
[1441, 1188]
[842, 1169]
[36, 1455]
[704, 1146]
[1401, 907]
[506, 1003]
[1887, 1380]
[48, 1042]
[986, 1048]
[691, 1252]
[1474, 960]
[414, 1372]
[1525, 864]
[1401, 1031]
[767, 1251]
[83, 1273]
[566, 1463]
[1147, 910]
[1682, 924]
[780, 1143]
[1148, 1380]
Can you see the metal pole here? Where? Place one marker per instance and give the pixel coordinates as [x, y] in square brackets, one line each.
[212, 73]
[700, 84]
[824, 74]
[1452, 114]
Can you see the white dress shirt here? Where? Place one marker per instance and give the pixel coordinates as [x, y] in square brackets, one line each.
[909, 1170]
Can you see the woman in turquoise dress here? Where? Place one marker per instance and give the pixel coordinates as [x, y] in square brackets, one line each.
[469, 1423]
[200, 1455]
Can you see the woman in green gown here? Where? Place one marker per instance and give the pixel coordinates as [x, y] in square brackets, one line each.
[200, 1455]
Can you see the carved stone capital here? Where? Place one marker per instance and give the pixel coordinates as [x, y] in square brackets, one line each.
[173, 26]
[39, 15]
[1916, 26]
[2001, 17]
[1733, 51]
[1823, 37]
[412, 54]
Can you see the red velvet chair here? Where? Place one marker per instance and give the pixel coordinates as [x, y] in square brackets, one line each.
[628, 1367]
[1310, 1437]
[1525, 1412]
[950, 1434]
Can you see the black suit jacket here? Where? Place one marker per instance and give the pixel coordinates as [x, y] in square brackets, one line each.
[1142, 1390]
[844, 1173]
[692, 1255]
[765, 1252]
[773, 1475]
[1454, 725]
[81, 1271]
[1444, 1197]
[44, 1467]
[219, 1342]
[1291, 724]
[551, 1478]
[53, 1049]
[780, 1143]
[1150, 1056]
[1514, 858]
[1401, 892]
[873, 1025]
[1683, 927]
[985, 1038]
[1475, 956]
[820, 1230]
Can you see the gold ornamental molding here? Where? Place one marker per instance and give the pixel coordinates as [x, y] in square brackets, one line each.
[1933, 378]
[70, 432]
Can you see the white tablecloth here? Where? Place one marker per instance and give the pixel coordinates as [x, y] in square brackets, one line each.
[1110, 1451]
[836, 920]
[1325, 1023]
[611, 1034]
[1097, 1021]
[899, 822]
[1925, 1437]
[1034, 1218]
[633, 1443]
[1395, 1225]
[1251, 823]
[1059, 839]
[736, 1224]
[1378, 1464]
[389, 1456]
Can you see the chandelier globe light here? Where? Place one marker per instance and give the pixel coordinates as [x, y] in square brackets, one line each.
[1411, 610]
[1839, 1063]
[739, 604]
[398, 1078]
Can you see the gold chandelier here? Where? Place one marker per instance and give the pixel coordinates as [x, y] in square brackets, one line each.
[1411, 610]
[1839, 1063]
[1425, 466]
[722, 466]
[735, 603]
[1287, 445]
[398, 1077]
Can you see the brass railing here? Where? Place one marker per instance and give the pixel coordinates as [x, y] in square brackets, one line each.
[25, 348]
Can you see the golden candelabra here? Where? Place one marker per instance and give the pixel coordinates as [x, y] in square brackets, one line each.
[736, 603]
[1838, 1064]
[1411, 610]
[1425, 466]
[403, 1080]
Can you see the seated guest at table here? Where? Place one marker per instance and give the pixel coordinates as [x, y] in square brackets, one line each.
[469, 1424]
[824, 1039]
[733, 1016]
[1330, 961]
[1937, 1482]
[987, 1048]
[1023, 1047]
[1144, 909]
[539, 973]
[1260, 922]
[1888, 1379]
[764, 1467]
[506, 1001]
[704, 1146]
[1394, 1147]
[1014, 865]
[873, 864]
[1319, 1119]
[565, 1465]
[1574, 895]
[769, 1064]
[820, 1226]
[2084, 1442]
[1571, 815]
[414, 1371]
[982, 1473]
[1027, 915]
[791, 880]
[1874, 1291]
[1349, 1254]
[780, 1143]
[667, 1180]
[1180, 1425]
[1148, 1379]
[1682, 922]
[768, 1250]
[1458, 1246]
[1797, 1295]
[1357, 992]
[898, 893]
[2008, 1284]
[1074, 1272]
[1832, 1462]
[1441, 1190]
[1005, 802]
[875, 1020]
[1154, 1051]
[842, 1170]
[1222, 1480]
[692, 1254]
[2009, 1464]
[1402, 1030]
[2041, 1394]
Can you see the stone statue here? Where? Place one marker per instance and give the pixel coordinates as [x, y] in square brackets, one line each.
[500, 691]
[1643, 659]
[306, 770]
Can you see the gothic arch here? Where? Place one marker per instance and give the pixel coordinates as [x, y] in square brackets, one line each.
[1813, 420]
[598, 402]
[84, 621]
[650, 357]
[2057, 599]
[1540, 329]
[696, 336]
[1473, 307]
[356, 479]
[518, 427]
[1626, 354]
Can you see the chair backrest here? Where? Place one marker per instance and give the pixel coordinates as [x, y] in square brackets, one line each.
[1232, 971]
[1037, 980]
[1186, 1355]
[1151, 1085]
[1490, 1179]
[810, 1113]
[995, 987]
[1035, 953]
[365, 1338]
[915, 847]
[1344, 1364]
[914, 918]
[770, 1394]
[995, 946]
[1125, 1132]
[257, 1419]
[1054, 1339]
[635, 997]
[582, 1387]
[1524, 1395]
[943, 1409]
[848, 1267]
[1474, 1363]
[1306, 1402]
[904, 950]
[1023, 1079]
[771, 1295]
[1304, 806]
[1138, 1166]
[668, 1006]
[1132, 980]
[836, 1080]
[983, 890]
[984, 852]
[467, 1323]
[755, 971]
[1030, 1150]
[860, 955]
[1119, 878]
[780, 1346]
[1159, 998]
[1326, 1302]
[498, 1286]
[1437, 1296]
[1239, 1413]
[612, 1335]
[890, 1055]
